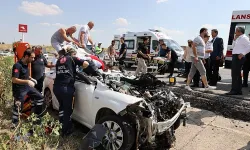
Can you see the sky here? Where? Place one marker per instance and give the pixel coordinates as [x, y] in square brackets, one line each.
[180, 19]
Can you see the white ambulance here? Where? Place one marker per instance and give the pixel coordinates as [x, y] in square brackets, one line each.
[239, 19]
[132, 40]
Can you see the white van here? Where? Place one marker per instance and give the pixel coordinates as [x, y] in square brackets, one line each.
[239, 19]
[132, 40]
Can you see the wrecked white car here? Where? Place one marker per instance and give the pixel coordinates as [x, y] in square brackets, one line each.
[133, 122]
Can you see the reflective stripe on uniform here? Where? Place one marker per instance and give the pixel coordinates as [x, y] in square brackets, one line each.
[15, 117]
[41, 100]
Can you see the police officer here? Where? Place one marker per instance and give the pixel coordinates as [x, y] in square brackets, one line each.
[23, 84]
[38, 68]
[142, 57]
[64, 87]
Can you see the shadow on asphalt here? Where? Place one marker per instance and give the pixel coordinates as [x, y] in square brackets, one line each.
[197, 117]
[247, 147]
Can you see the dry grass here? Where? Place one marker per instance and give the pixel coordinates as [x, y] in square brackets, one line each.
[5, 46]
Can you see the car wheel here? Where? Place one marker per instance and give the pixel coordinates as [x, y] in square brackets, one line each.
[48, 98]
[120, 134]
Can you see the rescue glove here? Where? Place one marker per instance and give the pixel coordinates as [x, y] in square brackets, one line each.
[33, 80]
[31, 83]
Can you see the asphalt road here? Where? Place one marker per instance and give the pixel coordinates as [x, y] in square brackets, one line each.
[208, 131]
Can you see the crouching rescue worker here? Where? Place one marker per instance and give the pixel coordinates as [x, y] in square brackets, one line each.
[64, 87]
[23, 84]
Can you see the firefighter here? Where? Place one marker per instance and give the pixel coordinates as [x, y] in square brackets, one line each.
[64, 87]
[38, 68]
[23, 84]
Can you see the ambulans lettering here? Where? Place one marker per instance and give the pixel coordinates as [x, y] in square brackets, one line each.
[242, 16]
[62, 70]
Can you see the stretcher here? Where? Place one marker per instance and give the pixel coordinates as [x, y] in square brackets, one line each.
[159, 60]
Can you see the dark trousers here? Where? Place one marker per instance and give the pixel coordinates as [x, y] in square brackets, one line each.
[208, 68]
[214, 67]
[187, 68]
[20, 95]
[236, 73]
[65, 95]
[171, 67]
[39, 85]
[121, 64]
[246, 68]
[196, 78]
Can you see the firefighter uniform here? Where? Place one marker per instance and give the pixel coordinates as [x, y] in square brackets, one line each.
[21, 71]
[38, 71]
[64, 89]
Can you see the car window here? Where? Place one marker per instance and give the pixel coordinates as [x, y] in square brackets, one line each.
[130, 44]
[155, 44]
[172, 44]
[117, 44]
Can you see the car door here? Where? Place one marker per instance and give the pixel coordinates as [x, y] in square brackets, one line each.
[83, 102]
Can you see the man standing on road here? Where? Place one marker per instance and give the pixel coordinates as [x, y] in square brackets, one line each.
[111, 52]
[38, 68]
[62, 35]
[187, 57]
[142, 56]
[216, 56]
[158, 49]
[197, 56]
[241, 46]
[23, 84]
[84, 35]
[122, 54]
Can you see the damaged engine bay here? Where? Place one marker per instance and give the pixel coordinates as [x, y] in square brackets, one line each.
[156, 117]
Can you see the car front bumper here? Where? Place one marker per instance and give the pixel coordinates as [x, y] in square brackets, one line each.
[160, 127]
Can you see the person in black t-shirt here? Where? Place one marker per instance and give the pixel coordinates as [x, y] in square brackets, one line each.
[38, 68]
[142, 56]
[64, 87]
[23, 84]
[122, 54]
[171, 55]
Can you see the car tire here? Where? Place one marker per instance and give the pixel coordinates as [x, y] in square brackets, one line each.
[123, 130]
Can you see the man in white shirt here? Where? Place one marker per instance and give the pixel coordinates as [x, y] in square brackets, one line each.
[84, 35]
[197, 56]
[241, 46]
[206, 62]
